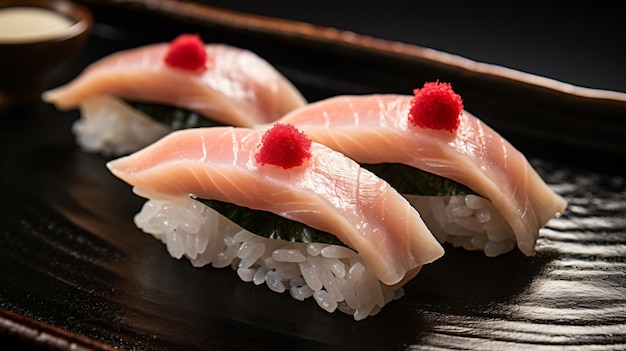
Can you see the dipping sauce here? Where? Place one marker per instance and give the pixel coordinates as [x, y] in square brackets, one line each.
[29, 24]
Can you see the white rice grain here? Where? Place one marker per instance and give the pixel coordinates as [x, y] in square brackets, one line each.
[315, 249]
[175, 245]
[483, 215]
[225, 258]
[333, 275]
[369, 289]
[246, 274]
[288, 255]
[242, 236]
[297, 281]
[288, 272]
[334, 251]
[327, 278]
[495, 248]
[467, 221]
[310, 275]
[474, 202]
[249, 252]
[355, 273]
[259, 276]
[301, 292]
[191, 246]
[111, 127]
[325, 301]
[335, 265]
[274, 282]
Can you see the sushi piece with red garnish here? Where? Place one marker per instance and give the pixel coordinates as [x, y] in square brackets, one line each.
[281, 210]
[473, 188]
[133, 97]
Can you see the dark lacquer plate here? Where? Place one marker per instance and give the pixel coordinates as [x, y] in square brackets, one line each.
[76, 274]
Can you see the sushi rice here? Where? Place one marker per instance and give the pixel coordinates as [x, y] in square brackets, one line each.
[333, 275]
[111, 127]
[467, 221]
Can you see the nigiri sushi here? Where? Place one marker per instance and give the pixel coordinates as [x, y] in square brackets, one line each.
[133, 97]
[471, 186]
[280, 210]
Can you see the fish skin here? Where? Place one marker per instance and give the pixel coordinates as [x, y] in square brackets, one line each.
[239, 88]
[330, 192]
[374, 129]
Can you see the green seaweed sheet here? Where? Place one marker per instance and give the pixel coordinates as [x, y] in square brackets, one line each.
[173, 117]
[408, 180]
[270, 225]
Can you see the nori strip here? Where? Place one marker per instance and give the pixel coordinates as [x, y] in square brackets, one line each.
[173, 117]
[270, 225]
[412, 181]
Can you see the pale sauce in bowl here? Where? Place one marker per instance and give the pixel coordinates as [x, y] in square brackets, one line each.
[28, 24]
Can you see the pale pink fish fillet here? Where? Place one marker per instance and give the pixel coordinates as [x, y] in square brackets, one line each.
[374, 129]
[329, 192]
[239, 88]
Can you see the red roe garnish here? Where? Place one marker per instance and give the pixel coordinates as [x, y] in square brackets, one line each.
[436, 106]
[285, 146]
[187, 52]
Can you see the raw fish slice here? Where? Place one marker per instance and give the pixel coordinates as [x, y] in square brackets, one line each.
[238, 87]
[374, 129]
[329, 192]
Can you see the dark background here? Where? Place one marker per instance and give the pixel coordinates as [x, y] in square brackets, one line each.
[577, 42]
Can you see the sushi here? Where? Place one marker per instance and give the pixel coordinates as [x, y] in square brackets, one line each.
[133, 97]
[282, 211]
[471, 186]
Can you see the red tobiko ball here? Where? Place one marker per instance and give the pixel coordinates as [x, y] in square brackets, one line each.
[436, 106]
[187, 51]
[285, 146]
